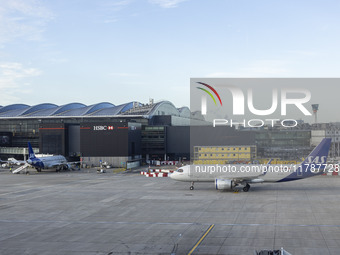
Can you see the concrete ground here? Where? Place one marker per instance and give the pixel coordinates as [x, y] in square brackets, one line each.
[126, 213]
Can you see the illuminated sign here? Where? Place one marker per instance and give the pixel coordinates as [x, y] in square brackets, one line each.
[103, 128]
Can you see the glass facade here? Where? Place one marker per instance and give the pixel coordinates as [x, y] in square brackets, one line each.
[284, 144]
[22, 132]
[154, 141]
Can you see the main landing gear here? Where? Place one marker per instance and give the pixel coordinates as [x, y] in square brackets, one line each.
[246, 188]
[192, 186]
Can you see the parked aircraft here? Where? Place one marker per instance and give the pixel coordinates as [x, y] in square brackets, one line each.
[227, 177]
[57, 161]
[12, 161]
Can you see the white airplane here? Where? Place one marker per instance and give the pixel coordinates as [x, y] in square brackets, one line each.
[13, 161]
[227, 177]
[58, 161]
[3, 163]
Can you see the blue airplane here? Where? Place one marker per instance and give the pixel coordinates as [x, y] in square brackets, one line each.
[58, 161]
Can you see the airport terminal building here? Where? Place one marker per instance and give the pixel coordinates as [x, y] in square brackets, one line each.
[105, 132]
[126, 134]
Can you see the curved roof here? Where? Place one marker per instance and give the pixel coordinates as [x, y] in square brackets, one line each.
[100, 109]
[58, 110]
[184, 112]
[13, 107]
[23, 110]
[164, 108]
[116, 110]
[36, 108]
[197, 115]
[87, 110]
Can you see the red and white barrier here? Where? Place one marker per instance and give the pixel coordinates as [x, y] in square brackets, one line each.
[169, 163]
[146, 174]
[157, 173]
[332, 173]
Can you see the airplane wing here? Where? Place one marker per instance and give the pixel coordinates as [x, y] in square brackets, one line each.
[245, 178]
[240, 179]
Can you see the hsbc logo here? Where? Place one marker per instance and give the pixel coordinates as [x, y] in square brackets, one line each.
[102, 128]
[99, 128]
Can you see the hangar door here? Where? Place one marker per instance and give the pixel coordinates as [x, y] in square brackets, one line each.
[74, 141]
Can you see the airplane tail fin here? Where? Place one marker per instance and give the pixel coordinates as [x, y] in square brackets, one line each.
[319, 154]
[314, 163]
[31, 154]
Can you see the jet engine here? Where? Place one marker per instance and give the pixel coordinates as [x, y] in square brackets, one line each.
[221, 184]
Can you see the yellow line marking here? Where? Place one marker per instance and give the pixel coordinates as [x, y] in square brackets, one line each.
[201, 239]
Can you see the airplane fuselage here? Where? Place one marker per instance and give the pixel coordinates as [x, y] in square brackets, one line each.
[227, 177]
[47, 162]
[261, 173]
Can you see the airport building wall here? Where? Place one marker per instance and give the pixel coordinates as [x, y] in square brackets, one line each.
[76, 137]
[114, 161]
[52, 139]
[329, 130]
[285, 144]
[114, 143]
[178, 142]
[317, 136]
[99, 132]
[129, 132]
[18, 132]
[224, 154]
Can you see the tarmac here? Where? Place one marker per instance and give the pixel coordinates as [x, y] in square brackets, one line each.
[83, 212]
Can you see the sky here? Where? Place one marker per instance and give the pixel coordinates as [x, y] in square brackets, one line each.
[132, 50]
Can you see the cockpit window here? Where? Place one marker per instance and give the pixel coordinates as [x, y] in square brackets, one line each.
[180, 170]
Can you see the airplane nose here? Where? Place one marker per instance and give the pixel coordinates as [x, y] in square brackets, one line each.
[173, 176]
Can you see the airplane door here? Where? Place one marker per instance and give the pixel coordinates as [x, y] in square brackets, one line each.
[191, 171]
[299, 171]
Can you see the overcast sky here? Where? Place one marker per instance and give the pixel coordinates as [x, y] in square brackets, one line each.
[132, 50]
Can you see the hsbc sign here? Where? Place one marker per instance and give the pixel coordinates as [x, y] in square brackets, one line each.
[102, 128]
